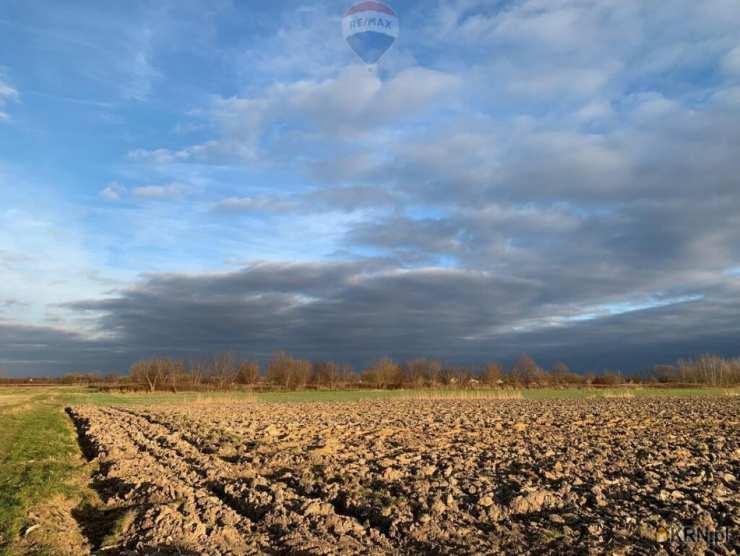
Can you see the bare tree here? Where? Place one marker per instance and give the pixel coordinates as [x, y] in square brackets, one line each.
[347, 375]
[325, 373]
[149, 372]
[288, 372]
[561, 374]
[384, 373]
[421, 372]
[707, 369]
[526, 371]
[222, 370]
[433, 372]
[492, 373]
[197, 371]
[247, 373]
[174, 373]
[609, 378]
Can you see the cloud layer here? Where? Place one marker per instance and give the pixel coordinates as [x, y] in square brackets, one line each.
[356, 311]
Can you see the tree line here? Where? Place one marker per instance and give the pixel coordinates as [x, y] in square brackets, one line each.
[227, 371]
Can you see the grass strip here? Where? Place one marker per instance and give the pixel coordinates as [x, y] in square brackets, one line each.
[38, 455]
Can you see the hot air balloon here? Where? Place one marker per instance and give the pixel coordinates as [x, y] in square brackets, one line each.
[370, 29]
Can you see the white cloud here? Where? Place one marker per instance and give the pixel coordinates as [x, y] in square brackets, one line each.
[546, 49]
[113, 192]
[210, 151]
[731, 62]
[729, 96]
[7, 94]
[346, 107]
[162, 192]
[261, 204]
[155, 156]
[116, 192]
[536, 82]
[650, 105]
[593, 111]
[354, 102]
[139, 66]
[553, 24]
[294, 49]
[45, 261]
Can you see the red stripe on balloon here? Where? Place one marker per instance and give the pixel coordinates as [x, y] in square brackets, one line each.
[370, 7]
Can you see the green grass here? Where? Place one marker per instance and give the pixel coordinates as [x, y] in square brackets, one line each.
[38, 456]
[637, 392]
[327, 395]
[80, 395]
[527, 394]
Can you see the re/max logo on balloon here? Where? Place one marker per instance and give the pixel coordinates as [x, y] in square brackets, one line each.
[370, 23]
[370, 29]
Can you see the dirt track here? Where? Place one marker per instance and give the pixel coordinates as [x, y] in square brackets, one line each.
[391, 477]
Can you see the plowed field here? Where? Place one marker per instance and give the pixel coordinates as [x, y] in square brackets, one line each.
[434, 476]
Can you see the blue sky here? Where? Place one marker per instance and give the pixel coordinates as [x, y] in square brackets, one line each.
[509, 171]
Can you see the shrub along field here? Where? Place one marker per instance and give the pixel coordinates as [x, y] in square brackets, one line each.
[48, 505]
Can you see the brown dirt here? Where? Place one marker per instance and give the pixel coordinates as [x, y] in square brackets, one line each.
[436, 476]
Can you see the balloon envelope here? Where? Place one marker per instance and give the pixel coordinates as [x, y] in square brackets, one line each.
[370, 29]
